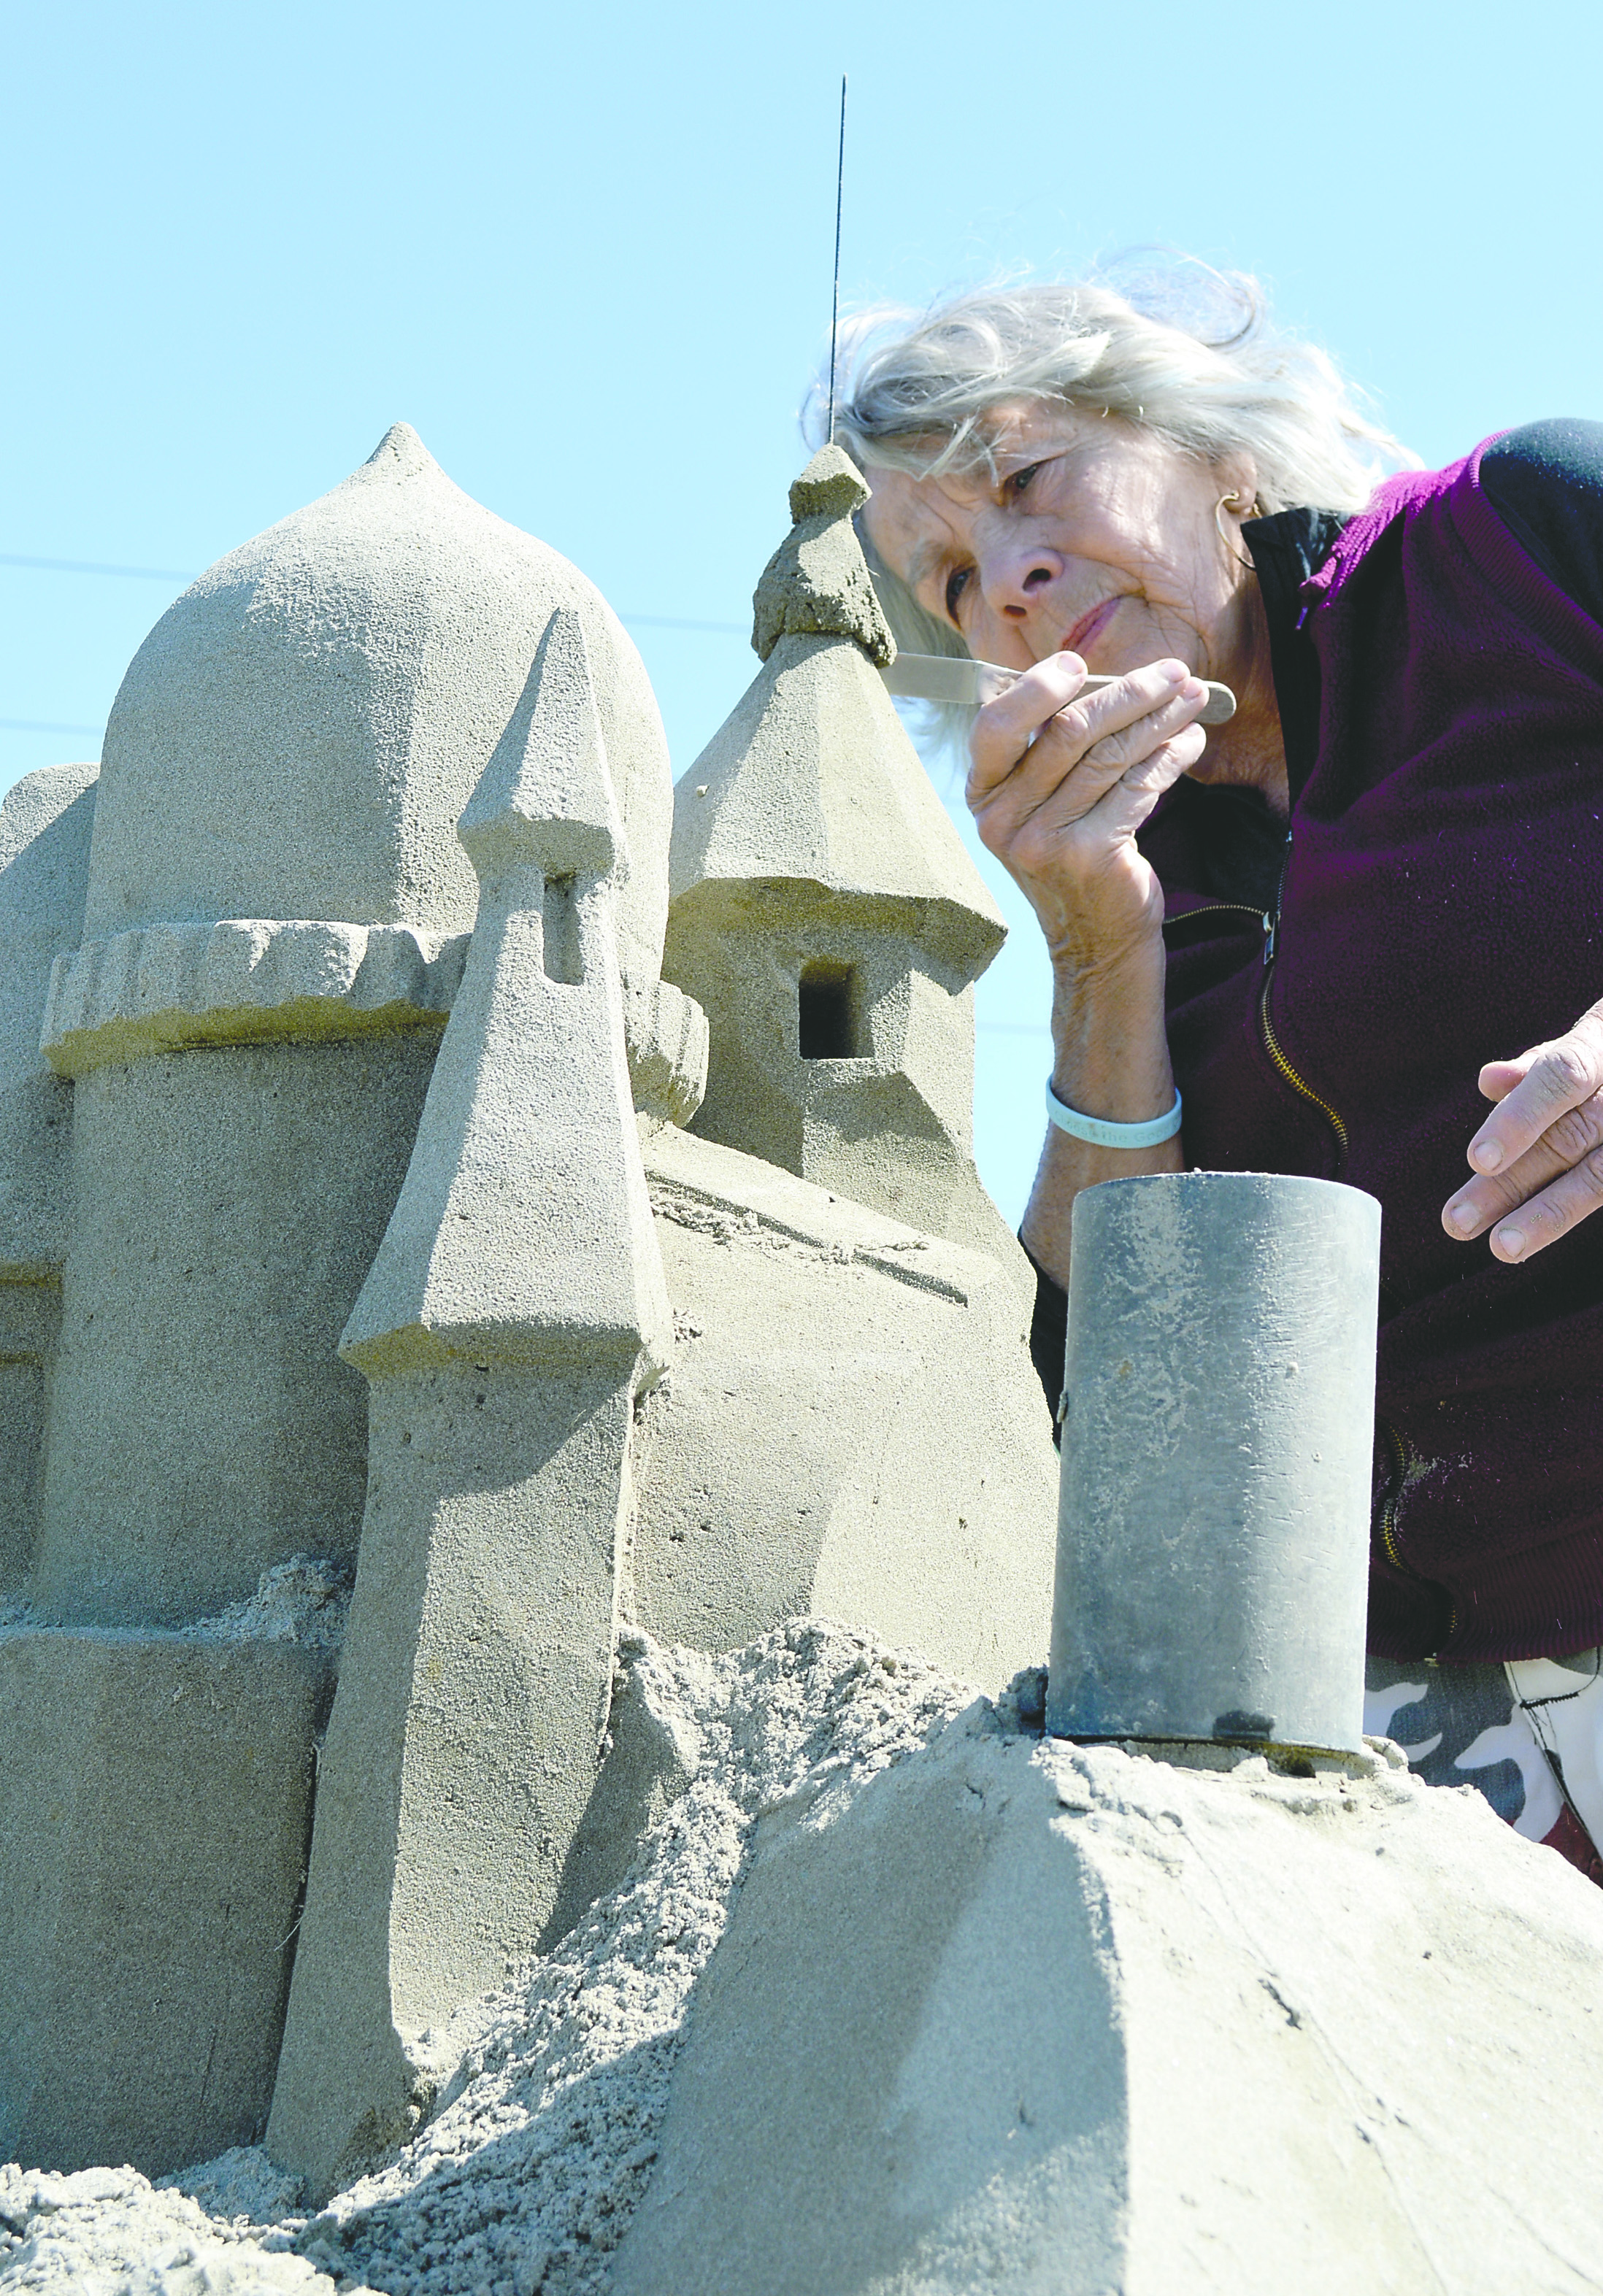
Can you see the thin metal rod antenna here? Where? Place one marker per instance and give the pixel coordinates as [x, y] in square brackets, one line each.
[834, 306]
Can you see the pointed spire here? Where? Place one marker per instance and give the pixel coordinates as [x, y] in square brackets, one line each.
[817, 583]
[401, 453]
[523, 1230]
[545, 796]
[520, 1272]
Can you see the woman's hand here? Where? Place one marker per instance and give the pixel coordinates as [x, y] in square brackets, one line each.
[1539, 1157]
[1058, 788]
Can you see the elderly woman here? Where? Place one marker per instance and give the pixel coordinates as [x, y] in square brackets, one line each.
[1308, 942]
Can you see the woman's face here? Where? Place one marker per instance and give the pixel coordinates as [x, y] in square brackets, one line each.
[1095, 538]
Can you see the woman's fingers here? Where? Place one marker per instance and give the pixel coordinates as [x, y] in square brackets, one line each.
[1535, 1090]
[1043, 706]
[1060, 783]
[1081, 750]
[1538, 1157]
[1004, 729]
[1542, 1220]
[1048, 789]
[1100, 803]
[1556, 1182]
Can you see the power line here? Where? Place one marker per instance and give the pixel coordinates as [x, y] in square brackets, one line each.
[672, 622]
[172, 574]
[93, 566]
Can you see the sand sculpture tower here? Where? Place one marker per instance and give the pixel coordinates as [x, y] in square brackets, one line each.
[293, 742]
[825, 913]
[253, 964]
[514, 1309]
[45, 825]
[851, 1425]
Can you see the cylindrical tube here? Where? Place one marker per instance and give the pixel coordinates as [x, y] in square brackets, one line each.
[1212, 1536]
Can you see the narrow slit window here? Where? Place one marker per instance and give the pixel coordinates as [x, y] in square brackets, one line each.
[561, 919]
[826, 1012]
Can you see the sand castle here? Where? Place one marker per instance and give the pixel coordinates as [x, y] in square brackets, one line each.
[352, 1227]
[474, 1218]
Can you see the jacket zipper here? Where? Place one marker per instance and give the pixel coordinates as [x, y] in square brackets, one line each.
[1393, 1493]
[1271, 1043]
[1270, 920]
[1401, 1463]
[1218, 909]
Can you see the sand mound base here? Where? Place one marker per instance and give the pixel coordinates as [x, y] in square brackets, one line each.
[897, 1996]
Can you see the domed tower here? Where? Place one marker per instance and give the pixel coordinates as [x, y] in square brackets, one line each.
[251, 979]
[825, 913]
[276, 912]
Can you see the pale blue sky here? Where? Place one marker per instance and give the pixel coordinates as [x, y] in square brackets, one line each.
[589, 259]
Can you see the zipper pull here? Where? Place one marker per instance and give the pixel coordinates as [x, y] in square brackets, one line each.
[1271, 919]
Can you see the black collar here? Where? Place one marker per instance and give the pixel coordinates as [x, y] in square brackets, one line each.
[1285, 549]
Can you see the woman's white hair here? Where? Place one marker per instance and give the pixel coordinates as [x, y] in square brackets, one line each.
[1181, 349]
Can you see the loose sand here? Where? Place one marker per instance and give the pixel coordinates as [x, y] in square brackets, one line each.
[528, 2174]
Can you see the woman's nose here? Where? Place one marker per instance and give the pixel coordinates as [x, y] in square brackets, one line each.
[1015, 580]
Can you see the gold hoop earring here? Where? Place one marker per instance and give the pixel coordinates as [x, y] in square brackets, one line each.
[1231, 499]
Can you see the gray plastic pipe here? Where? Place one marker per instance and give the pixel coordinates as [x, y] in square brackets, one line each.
[1213, 1520]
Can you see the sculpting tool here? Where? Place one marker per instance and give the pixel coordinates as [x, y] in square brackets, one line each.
[970, 683]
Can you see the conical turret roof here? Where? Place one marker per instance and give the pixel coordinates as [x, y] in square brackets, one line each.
[813, 778]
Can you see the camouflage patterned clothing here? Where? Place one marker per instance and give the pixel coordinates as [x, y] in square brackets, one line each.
[1527, 1735]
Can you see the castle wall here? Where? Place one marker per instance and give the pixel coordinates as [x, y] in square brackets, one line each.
[240, 979]
[849, 1427]
[46, 825]
[202, 1428]
[153, 1808]
[29, 1320]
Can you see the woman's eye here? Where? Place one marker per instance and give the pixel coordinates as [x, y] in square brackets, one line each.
[1020, 481]
[957, 582]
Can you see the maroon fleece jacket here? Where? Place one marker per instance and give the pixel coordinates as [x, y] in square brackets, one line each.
[1439, 908]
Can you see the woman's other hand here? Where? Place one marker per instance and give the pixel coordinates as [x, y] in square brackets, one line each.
[1060, 786]
[1537, 1159]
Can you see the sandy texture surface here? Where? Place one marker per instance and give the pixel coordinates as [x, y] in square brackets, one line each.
[898, 1997]
[527, 2176]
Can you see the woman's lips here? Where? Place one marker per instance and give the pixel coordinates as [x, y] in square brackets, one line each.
[1086, 628]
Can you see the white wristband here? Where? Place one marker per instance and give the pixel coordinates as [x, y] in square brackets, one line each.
[1100, 1133]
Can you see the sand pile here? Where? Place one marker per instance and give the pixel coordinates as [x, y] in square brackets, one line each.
[529, 2172]
[971, 2009]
